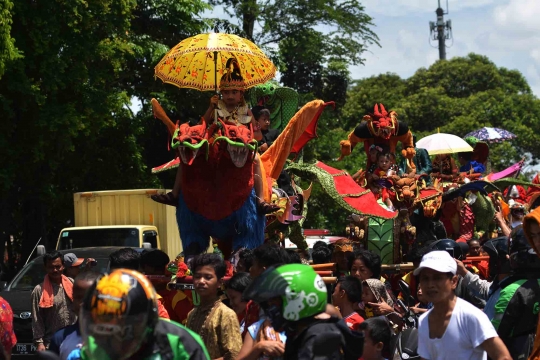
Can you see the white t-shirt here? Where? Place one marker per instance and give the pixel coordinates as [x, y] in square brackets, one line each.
[468, 328]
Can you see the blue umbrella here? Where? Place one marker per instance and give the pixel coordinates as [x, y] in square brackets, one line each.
[493, 135]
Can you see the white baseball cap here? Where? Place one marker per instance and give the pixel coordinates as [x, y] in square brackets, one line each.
[440, 261]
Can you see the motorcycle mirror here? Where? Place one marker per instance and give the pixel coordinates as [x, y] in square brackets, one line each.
[402, 304]
[406, 291]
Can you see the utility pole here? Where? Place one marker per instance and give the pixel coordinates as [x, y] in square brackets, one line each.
[441, 30]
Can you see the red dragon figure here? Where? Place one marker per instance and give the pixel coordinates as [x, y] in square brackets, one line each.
[380, 128]
[217, 197]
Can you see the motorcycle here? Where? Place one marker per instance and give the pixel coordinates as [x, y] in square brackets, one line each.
[405, 343]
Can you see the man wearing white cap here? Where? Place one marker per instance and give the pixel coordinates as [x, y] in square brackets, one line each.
[453, 328]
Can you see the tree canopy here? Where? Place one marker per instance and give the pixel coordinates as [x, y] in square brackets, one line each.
[270, 22]
[7, 43]
[306, 39]
[71, 72]
[456, 96]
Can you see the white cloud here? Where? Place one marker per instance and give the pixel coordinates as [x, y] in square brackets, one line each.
[506, 31]
[533, 75]
[518, 17]
[535, 54]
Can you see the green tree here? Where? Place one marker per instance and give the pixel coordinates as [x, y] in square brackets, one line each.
[289, 31]
[8, 51]
[302, 61]
[67, 125]
[349, 26]
[157, 26]
[457, 96]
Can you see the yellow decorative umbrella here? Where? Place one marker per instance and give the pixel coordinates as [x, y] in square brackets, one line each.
[199, 62]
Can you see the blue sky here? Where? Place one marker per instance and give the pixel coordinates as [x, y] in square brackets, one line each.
[506, 31]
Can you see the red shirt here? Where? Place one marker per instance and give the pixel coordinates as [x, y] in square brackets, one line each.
[252, 315]
[6, 326]
[353, 321]
[162, 312]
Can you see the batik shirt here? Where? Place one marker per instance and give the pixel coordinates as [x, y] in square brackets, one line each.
[219, 329]
[46, 321]
[6, 326]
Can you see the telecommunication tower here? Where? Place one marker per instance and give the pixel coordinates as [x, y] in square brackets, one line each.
[441, 30]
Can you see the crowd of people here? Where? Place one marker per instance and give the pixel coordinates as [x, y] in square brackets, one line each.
[271, 303]
[275, 306]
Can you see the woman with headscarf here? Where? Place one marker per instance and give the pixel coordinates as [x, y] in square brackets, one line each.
[374, 293]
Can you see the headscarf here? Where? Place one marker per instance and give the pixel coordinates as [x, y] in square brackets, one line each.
[379, 290]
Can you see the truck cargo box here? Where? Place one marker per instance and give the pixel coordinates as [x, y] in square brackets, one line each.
[129, 207]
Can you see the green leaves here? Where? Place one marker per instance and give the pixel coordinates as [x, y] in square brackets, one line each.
[457, 96]
[8, 50]
[66, 123]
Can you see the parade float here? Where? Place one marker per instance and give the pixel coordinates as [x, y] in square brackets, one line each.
[217, 158]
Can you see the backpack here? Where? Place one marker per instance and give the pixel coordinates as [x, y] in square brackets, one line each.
[326, 339]
[519, 333]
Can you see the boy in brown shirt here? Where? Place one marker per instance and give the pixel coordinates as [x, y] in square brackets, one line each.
[216, 323]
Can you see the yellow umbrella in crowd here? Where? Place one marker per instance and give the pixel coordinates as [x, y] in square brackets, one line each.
[199, 62]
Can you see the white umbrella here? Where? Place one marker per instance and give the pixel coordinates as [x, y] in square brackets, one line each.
[442, 143]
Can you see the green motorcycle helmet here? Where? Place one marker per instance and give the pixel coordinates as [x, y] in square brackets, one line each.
[301, 289]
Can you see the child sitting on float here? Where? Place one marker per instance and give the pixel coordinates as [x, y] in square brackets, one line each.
[380, 176]
[468, 164]
[232, 109]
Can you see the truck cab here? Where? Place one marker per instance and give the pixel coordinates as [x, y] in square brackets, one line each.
[110, 235]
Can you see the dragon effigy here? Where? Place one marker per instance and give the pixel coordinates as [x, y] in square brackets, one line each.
[217, 197]
[380, 128]
[281, 101]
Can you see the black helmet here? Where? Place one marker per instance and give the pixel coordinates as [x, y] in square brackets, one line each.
[450, 246]
[464, 249]
[522, 255]
[497, 249]
[118, 315]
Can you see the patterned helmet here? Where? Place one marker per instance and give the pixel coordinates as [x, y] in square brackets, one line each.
[301, 289]
[118, 315]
